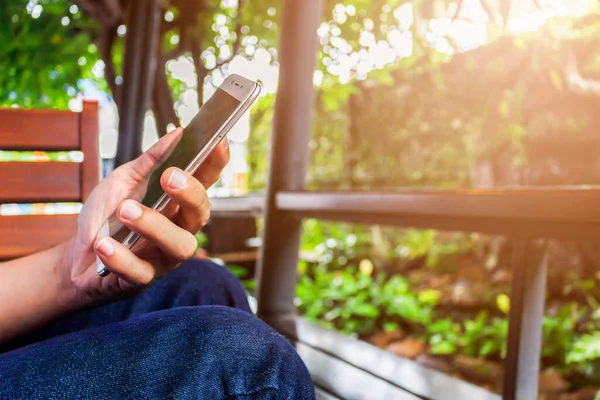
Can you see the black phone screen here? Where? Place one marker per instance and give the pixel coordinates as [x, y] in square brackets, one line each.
[196, 135]
[211, 117]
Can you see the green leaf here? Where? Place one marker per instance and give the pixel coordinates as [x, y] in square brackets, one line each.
[503, 303]
[237, 271]
[366, 310]
[391, 327]
[429, 297]
[201, 239]
[443, 348]
[487, 348]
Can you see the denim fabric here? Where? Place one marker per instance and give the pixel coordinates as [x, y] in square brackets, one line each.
[189, 336]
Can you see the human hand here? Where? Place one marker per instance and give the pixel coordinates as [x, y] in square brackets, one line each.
[166, 239]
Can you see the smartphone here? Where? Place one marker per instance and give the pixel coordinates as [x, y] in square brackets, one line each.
[209, 126]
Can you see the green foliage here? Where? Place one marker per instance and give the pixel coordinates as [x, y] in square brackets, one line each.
[585, 354]
[559, 331]
[444, 335]
[45, 50]
[398, 300]
[413, 244]
[33, 156]
[214, 32]
[353, 301]
[340, 289]
[202, 240]
[336, 245]
[342, 300]
[258, 144]
[503, 303]
[481, 337]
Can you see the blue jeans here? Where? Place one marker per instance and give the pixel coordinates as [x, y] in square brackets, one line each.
[189, 336]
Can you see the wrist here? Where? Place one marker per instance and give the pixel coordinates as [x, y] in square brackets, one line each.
[67, 296]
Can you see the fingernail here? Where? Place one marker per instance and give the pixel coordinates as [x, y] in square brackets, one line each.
[105, 247]
[131, 211]
[177, 180]
[225, 143]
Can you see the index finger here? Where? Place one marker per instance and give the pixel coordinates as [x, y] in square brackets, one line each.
[210, 170]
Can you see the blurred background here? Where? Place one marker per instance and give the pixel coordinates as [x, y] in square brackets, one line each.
[409, 94]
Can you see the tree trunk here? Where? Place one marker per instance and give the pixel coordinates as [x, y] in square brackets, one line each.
[163, 104]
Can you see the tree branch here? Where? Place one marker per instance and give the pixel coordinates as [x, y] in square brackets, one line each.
[107, 12]
[235, 46]
[107, 38]
[162, 101]
[201, 71]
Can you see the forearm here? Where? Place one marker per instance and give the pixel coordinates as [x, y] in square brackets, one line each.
[33, 290]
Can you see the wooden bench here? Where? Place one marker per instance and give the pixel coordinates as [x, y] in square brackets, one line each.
[45, 182]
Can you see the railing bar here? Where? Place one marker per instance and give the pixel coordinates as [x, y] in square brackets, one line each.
[499, 226]
[567, 206]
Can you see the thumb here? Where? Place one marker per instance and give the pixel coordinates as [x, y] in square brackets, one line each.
[122, 183]
[155, 155]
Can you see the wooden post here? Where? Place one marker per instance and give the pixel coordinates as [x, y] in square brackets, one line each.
[292, 127]
[527, 298]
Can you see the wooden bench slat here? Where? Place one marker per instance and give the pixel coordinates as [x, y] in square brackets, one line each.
[30, 182]
[39, 130]
[89, 131]
[347, 381]
[25, 234]
[323, 395]
[401, 372]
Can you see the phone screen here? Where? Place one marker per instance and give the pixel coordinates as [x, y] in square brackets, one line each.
[196, 135]
[211, 117]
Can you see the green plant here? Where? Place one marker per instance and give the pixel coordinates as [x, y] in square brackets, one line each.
[444, 337]
[586, 353]
[414, 309]
[335, 244]
[201, 239]
[480, 337]
[559, 331]
[431, 246]
[344, 300]
[354, 301]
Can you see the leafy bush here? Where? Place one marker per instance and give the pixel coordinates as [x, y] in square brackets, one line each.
[342, 300]
[339, 289]
[586, 354]
[354, 302]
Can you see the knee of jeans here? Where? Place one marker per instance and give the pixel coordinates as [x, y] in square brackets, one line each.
[232, 331]
[212, 282]
[201, 268]
[197, 270]
[237, 343]
[225, 324]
